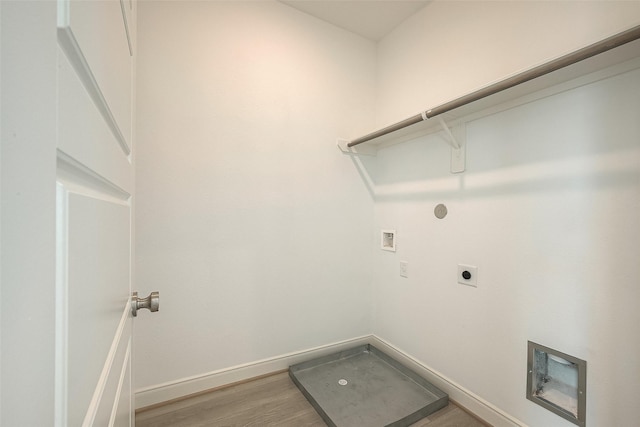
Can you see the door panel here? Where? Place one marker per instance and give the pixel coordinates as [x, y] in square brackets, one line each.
[80, 121]
[115, 406]
[94, 215]
[93, 35]
[123, 413]
[94, 319]
[98, 288]
[100, 30]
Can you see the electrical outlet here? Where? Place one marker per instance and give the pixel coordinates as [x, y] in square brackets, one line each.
[404, 267]
[468, 275]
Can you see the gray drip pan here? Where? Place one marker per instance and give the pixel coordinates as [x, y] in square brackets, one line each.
[379, 391]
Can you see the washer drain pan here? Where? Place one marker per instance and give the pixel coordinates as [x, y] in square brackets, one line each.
[365, 387]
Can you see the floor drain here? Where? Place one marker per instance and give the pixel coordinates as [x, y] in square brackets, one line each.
[342, 381]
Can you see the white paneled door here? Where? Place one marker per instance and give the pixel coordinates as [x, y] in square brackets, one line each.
[67, 180]
[94, 196]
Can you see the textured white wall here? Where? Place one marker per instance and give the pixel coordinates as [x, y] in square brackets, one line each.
[252, 226]
[547, 208]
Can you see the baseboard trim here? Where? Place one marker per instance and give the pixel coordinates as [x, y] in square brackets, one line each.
[210, 390]
[176, 390]
[161, 393]
[469, 401]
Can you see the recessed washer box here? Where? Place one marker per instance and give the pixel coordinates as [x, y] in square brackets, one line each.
[388, 240]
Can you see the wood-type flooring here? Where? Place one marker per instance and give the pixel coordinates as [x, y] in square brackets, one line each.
[269, 401]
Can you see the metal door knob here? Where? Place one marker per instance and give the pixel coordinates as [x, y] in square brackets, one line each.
[151, 303]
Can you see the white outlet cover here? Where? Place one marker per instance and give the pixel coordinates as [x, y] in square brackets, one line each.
[473, 280]
[404, 269]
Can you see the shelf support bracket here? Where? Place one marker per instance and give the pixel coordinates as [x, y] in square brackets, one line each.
[456, 138]
[452, 141]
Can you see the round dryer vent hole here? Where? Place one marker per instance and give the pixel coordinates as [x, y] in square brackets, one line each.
[342, 381]
[440, 211]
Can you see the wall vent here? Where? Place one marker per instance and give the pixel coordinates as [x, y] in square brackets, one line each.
[557, 382]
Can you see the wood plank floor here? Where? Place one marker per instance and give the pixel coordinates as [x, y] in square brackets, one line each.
[269, 401]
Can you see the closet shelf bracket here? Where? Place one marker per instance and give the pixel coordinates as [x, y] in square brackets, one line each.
[452, 141]
[456, 138]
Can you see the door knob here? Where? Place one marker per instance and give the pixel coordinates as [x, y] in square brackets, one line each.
[151, 303]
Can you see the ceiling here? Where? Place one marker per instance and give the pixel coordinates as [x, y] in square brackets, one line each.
[370, 19]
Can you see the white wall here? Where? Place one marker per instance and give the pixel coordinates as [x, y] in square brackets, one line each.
[451, 48]
[252, 226]
[547, 208]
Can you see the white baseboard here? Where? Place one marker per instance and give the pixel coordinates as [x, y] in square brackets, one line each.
[183, 387]
[176, 389]
[470, 401]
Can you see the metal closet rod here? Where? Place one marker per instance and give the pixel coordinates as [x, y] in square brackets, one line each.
[556, 64]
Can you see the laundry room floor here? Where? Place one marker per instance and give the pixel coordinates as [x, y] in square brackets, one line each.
[269, 401]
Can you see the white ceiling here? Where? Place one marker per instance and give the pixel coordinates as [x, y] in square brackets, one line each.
[370, 19]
